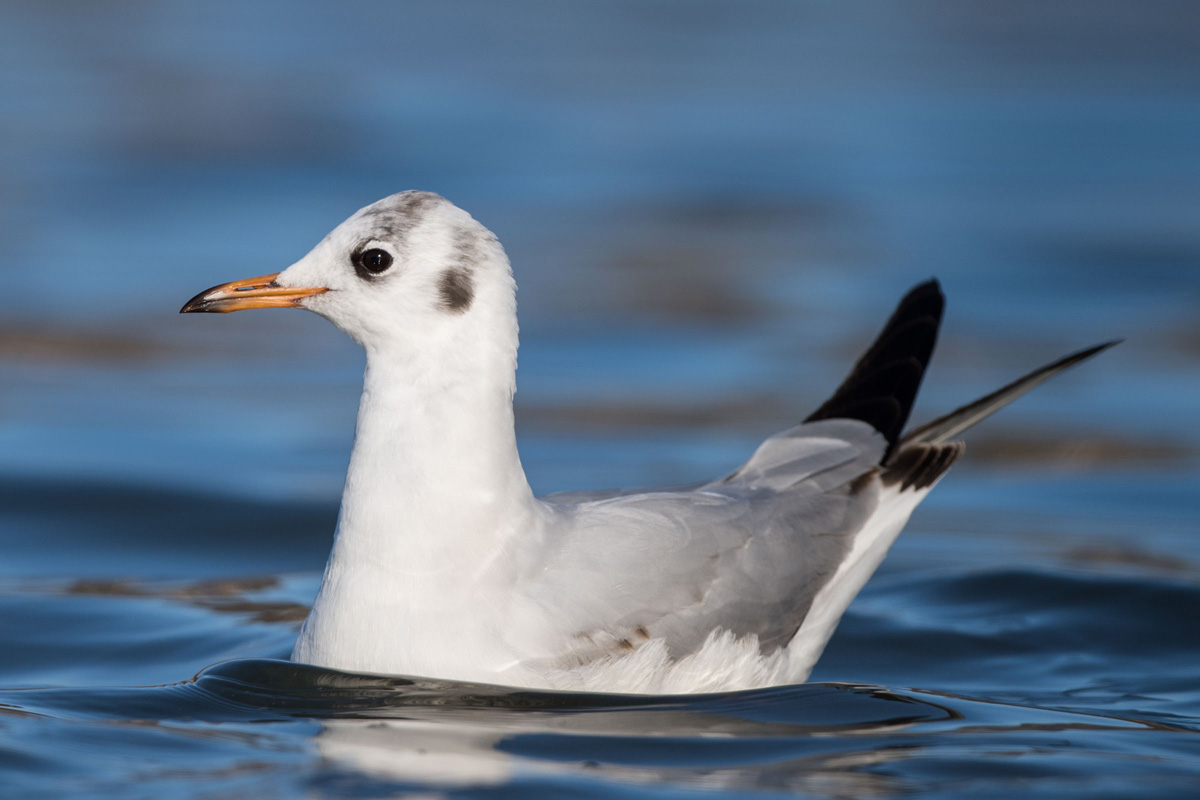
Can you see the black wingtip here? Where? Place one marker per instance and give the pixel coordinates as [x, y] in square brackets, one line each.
[931, 285]
[882, 387]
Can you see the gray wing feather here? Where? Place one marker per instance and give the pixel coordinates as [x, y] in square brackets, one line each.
[745, 554]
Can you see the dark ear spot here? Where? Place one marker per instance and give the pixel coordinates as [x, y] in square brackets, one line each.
[457, 290]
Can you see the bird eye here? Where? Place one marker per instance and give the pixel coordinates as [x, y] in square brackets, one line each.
[373, 261]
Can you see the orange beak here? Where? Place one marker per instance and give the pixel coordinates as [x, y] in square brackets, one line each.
[261, 292]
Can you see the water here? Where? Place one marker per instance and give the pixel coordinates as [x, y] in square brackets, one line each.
[710, 207]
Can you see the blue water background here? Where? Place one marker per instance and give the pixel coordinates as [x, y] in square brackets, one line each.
[710, 208]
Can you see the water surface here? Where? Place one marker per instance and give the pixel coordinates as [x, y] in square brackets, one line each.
[710, 208]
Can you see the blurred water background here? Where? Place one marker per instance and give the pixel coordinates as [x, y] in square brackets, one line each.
[710, 207]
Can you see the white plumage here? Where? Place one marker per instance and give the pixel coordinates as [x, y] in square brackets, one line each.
[445, 565]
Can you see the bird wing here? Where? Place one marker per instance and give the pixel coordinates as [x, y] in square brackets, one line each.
[745, 554]
[748, 553]
[797, 529]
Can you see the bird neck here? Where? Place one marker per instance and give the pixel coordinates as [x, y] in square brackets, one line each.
[437, 515]
[435, 485]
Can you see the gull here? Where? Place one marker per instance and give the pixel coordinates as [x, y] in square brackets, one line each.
[444, 563]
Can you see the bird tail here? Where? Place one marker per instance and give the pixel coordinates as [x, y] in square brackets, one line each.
[945, 427]
[927, 452]
[882, 387]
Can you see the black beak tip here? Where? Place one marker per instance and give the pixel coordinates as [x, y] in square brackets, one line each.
[198, 304]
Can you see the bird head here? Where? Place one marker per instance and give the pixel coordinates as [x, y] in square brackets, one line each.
[410, 267]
